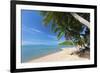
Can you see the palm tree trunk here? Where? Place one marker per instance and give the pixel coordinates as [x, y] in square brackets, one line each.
[81, 19]
[66, 37]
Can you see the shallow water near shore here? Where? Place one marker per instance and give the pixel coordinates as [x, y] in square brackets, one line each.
[29, 52]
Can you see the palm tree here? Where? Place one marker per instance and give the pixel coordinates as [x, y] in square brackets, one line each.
[81, 19]
[67, 24]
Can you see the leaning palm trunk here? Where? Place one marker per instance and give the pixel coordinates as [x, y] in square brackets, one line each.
[81, 20]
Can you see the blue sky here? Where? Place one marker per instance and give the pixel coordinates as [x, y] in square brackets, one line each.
[33, 30]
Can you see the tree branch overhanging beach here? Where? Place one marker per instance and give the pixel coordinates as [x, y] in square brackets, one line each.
[71, 25]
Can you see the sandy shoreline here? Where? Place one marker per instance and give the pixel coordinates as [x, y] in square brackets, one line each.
[64, 55]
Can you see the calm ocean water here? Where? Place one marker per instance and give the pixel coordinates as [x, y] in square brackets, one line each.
[29, 52]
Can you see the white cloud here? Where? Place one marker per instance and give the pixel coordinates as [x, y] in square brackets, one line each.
[41, 42]
[31, 30]
[51, 36]
[26, 42]
[36, 30]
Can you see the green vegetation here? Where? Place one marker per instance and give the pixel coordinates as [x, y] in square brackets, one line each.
[69, 43]
[68, 24]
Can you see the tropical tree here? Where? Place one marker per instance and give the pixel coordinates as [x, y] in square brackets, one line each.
[81, 19]
[68, 24]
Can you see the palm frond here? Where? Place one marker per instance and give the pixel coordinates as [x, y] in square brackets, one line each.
[48, 18]
[60, 34]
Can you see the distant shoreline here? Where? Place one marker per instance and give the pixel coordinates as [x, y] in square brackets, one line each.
[63, 55]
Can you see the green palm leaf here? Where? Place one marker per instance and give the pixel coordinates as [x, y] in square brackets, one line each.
[48, 18]
[60, 34]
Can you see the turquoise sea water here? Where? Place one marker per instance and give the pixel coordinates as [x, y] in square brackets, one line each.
[29, 52]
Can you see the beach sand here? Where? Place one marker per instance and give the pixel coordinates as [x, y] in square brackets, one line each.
[63, 55]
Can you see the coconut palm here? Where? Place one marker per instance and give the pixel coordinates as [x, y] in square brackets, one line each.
[67, 24]
[81, 19]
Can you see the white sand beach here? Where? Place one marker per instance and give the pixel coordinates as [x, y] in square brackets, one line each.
[64, 55]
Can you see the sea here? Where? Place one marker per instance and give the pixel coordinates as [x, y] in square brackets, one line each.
[30, 52]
